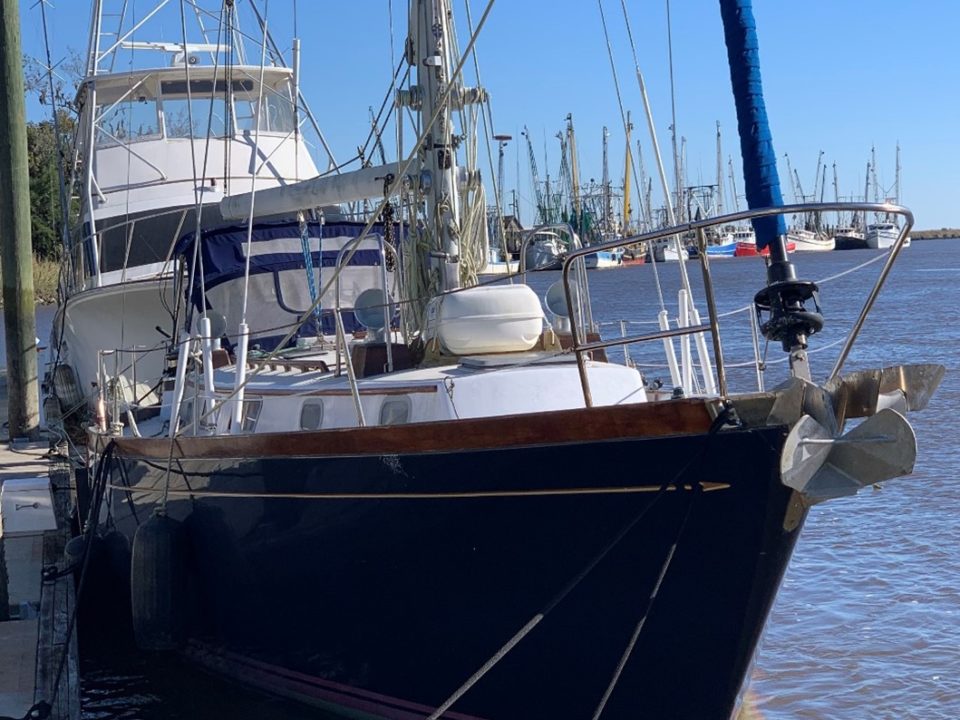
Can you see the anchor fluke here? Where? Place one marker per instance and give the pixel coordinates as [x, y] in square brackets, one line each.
[821, 467]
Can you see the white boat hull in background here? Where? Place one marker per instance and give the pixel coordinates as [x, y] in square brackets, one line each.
[883, 236]
[807, 241]
[125, 315]
[603, 259]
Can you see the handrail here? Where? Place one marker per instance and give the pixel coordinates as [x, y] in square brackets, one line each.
[871, 298]
[584, 308]
[698, 226]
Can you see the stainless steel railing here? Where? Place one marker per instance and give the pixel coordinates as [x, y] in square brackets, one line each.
[581, 347]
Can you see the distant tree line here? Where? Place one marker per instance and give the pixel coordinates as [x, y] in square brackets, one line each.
[45, 149]
[940, 234]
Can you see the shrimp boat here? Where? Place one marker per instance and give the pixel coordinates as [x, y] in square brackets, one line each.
[746, 244]
[883, 235]
[805, 240]
[378, 487]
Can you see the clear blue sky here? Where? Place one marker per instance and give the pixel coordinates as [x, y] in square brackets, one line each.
[839, 76]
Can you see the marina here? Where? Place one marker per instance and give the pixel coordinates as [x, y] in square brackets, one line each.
[305, 431]
[865, 622]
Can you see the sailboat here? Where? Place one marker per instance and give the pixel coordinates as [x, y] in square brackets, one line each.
[379, 487]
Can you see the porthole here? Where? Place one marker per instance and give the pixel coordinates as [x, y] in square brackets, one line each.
[395, 411]
[251, 413]
[311, 415]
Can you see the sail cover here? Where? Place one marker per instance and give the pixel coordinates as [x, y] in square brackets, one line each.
[279, 294]
[756, 144]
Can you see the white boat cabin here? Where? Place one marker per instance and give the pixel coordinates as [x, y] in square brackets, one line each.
[144, 137]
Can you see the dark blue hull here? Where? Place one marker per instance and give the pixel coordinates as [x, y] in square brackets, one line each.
[850, 242]
[412, 569]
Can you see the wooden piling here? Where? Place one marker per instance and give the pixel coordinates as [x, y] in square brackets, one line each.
[16, 257]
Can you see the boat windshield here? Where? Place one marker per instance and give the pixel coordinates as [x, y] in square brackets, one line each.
[150, 109]
[131, 117]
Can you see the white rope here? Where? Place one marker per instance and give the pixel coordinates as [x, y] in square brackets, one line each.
[636, 635]
[510, 644]
[853, 269]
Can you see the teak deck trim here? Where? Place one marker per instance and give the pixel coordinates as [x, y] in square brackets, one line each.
[675, 417]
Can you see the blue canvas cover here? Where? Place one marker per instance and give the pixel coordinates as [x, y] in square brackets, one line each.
[279, 285]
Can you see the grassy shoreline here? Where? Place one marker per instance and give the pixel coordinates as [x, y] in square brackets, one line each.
[45, 276]
[46, 273]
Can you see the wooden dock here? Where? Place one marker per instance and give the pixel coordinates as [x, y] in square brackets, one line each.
[32, 649]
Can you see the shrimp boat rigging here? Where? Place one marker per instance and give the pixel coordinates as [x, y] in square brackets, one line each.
[431, 520]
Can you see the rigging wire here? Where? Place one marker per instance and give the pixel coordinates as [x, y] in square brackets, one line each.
[651, 598]
[681, 254]
[488, 129]
[673, 114]
[64, 193]
[623, 118]
[390, 190]
[253, 179]
[228, 133]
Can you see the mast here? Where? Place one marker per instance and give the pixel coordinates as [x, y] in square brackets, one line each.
[799, 193]
[541, 215]
[793, 185]
[866, 194]
[627, 169]
[565, 182]
[574, 175]
[719, 173]
[430, 51]
[836, 194]
[502, 141]
[733, 185]
[607, 205]
[646, 183]
[816, 178]
[896, 183]
[678, 158]
[547, 218]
